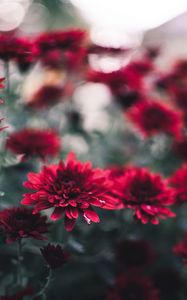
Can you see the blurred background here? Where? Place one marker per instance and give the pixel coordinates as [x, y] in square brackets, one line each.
[114, 23]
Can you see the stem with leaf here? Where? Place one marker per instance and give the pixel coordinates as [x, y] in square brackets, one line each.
[19, 263]
[43, 290]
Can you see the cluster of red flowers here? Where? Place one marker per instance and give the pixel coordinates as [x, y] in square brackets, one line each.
[21, 50]
[139, 275]
[71, 189]
[74, 188]
[57, 49]
[181, 249]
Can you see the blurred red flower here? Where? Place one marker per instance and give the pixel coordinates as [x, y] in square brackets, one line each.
[19, 49]
[133, 286]
[152, 117]
[134, 253]
[32, 142]
[125, 84]
[180, 67]
[117, 80]
[2, 79]
[19, 222]
[180, 97]
[55, 256]
[142, 67]
[69, 39]
[145, 193]
[21, 295]
[63, 48]
[180, 249]
[66, 60]
[71, 188]
[178, 182]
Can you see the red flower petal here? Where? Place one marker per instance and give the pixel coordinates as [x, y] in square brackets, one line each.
[69, 224]
[57, 214]
[91, 215]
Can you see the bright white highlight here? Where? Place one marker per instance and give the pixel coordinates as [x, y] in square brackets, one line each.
[123, 22]
[12, 13]
[130, 15]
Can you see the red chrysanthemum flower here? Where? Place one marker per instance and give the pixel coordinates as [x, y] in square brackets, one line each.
[8, 47]
[68, 60]
[55, 256]
[153, 118]
[19, 222]
[117, 81]
[71, 188]
[32, 142]
[70, 39]
[125, 84]
[180, 249]
[146, 193]
[26, 54]
[59, 49]
[133, 287]
[134, 253]
[178, 182]
[17, 48]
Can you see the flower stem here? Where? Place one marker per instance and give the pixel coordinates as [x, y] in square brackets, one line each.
[43, 290]
[19, 263]
[7, 77]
